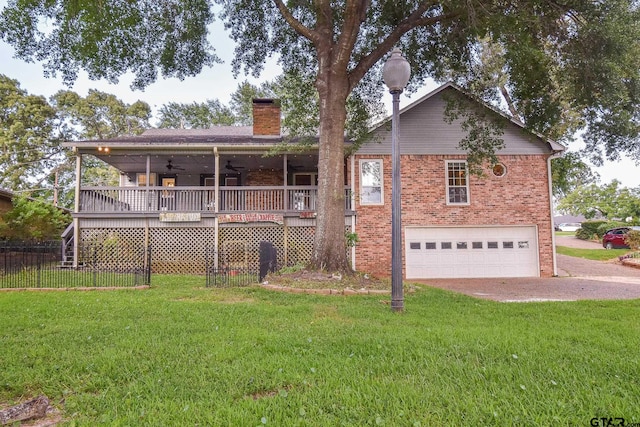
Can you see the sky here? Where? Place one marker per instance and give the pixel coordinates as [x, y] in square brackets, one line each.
[219, 83]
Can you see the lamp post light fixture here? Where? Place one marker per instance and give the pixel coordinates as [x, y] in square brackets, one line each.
[396, 73]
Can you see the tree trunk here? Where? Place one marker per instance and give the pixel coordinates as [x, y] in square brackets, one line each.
[329, 248]
[35, 408]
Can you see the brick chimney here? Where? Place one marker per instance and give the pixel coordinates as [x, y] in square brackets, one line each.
[266, 117]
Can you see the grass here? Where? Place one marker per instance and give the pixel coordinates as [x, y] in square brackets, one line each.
[593, 254]
[565, 233]
[180, 354]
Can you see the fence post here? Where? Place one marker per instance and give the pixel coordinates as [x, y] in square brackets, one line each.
[148, 267]
[39, 255]
[94, 267]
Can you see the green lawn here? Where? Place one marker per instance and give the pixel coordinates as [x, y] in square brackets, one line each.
[565, 233]
[178, 354]
[594, 254]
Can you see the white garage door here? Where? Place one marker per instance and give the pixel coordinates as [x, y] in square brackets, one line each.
[448, 252]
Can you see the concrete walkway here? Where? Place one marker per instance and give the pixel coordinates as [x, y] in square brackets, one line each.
[577, 279]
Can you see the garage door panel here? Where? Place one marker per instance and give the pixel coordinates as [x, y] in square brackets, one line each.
[493, 258]
[451, 252]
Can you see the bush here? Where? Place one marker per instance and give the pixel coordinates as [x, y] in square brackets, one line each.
[33, 220]
[633, 239]
[594, 230]
[589, 230]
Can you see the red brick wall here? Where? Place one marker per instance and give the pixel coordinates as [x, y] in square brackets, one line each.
[266, 117]
[264, 178]
[521, 197]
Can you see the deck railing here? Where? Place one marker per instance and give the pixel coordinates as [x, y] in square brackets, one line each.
[201, 199]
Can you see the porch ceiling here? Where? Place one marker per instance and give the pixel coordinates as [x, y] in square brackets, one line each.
[205, 163]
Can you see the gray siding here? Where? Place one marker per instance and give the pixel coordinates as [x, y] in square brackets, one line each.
[142, 223]
[424, 131]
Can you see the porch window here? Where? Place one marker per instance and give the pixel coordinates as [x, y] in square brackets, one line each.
[141, 179]
[307, 178]
[371, 182]
[231, 181]
[457, 183]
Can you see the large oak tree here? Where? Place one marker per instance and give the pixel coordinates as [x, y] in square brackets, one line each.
[29, 137]
[32, 160]
[580, 53]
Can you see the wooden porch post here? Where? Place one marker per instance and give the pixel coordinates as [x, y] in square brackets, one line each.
[285, 238]
[285, 180]
[147, 202]
[216, 192]
[76, 221]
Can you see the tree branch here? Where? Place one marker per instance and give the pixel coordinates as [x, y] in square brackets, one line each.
[355, 13]
[512, 107]
[295, 24]
[416, 19]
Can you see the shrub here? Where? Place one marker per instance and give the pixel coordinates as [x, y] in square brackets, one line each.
[594, 230]
[33, 220]
[589, 230]
[633, 239]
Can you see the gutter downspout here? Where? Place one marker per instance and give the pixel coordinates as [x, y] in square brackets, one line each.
[553, 231]
[352, 195]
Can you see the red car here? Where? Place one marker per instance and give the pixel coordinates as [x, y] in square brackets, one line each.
[615, 238]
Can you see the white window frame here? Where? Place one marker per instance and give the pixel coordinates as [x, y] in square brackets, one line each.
[365, 194]
[451, 184]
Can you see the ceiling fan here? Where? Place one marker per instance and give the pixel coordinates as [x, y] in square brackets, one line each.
[170, 166]
[233, 168]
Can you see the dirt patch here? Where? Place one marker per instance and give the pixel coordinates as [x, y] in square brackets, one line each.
[307, 279]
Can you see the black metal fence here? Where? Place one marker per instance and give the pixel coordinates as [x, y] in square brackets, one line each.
[43, 265]
[231, 277]
[231, 274]
[40, 265]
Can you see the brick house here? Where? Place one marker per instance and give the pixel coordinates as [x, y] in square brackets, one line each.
[193, 195]
[455, 224]
[6, 203]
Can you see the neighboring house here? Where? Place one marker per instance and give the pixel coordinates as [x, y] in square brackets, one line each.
[198, 195]
[5, 201]
[560, 219]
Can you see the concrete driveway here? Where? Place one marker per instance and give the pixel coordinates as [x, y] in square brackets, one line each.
[577, 279]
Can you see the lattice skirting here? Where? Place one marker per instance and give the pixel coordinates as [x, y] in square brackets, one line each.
[180, 250]
[188, 250]
[112, 248]
[239, 246]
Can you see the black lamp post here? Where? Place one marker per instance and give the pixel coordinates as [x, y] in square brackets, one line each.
[396, 73]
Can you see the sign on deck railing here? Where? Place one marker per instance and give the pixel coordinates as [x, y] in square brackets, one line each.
[251, 217]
